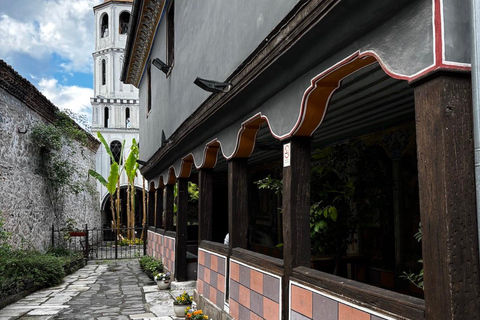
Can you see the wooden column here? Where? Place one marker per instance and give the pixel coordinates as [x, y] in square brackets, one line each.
[181, 236]
[237, 203]
[151, 207]
[443, 111]
[169, 198]
[159, 209]
[205, 204]
[296, 211]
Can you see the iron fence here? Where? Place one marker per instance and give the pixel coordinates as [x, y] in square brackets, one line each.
[102, 243]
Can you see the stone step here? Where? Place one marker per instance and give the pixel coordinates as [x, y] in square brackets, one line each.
[183, 285]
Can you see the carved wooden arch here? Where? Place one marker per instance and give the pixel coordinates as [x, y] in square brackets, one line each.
[186, 166]
[161, 185]
[210, 155]
[246, 137]
[151, 187]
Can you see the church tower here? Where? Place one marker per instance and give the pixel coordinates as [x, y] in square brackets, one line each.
[115, 105]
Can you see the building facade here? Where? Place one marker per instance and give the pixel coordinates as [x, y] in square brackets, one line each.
[115, 104]
[294, 89]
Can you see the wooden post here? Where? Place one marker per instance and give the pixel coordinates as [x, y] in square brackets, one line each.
[237, 204]
[169, 207]
[151, 207]
[296, 209]
[443, 111]
[159, 209]
[181, 235]
[205, 204]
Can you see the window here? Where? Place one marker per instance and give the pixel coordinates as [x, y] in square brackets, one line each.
[149, 90]
[104, 26]
[170, 34]
[127, 118]
[104, 72]
[116, 148]
[105, 117]
[123, 25]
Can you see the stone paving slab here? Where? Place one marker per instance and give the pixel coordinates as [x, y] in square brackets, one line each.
[101, 290]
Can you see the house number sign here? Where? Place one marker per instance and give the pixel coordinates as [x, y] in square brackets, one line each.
[286, 155]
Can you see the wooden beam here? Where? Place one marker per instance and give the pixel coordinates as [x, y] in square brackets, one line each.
[443, 108]
[151, 207]
[169, 198]
[296, 211]
[237, 203]
[181, 235]
[205, 204]
[296, 205]
[159, 209]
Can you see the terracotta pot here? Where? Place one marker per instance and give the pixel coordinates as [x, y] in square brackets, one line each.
[163, 284]
[179, 309]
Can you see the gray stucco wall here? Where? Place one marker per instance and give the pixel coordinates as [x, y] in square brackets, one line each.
[212, 38]
[24, 201]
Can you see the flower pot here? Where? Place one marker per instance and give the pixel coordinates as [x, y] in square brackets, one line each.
[179, 309]
[163, 284]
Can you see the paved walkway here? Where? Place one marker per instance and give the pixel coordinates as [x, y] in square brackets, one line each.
[101, 290]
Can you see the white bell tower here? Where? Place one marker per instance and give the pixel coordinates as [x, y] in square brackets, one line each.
[115, 105]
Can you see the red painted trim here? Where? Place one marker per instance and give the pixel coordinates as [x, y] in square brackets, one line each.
[437, 18]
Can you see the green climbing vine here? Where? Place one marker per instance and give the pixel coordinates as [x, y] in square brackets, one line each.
[57, 166]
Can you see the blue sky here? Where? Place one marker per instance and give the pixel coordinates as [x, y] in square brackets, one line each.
[50, 43]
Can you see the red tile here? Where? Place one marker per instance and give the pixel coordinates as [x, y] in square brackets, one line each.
[206, 275]
[214, 262]
[201, 257]
[213, 295]
[234, 309]
[348, 313]
[270, 309]
[200, 286]
[244, 296]
[302, 301]
[221, 282]
[235, 271]
[256, 281]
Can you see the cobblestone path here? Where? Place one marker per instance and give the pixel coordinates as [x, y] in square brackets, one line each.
[101, 290]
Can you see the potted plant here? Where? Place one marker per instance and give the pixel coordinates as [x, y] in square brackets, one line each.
[195, 315]
[163, 280]
[180, 304]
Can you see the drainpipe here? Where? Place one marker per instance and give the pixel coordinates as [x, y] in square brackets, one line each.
[475, 39]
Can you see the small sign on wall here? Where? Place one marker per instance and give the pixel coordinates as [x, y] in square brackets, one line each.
[286, 155]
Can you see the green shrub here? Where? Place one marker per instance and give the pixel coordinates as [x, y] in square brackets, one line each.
[151, 264]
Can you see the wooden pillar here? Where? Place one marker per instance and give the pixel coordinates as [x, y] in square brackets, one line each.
[169, 198]
[159, 209]
[296, 210]
[237, 203]
[151, 207]
[181, 236]
[205, 204]
[443, 111]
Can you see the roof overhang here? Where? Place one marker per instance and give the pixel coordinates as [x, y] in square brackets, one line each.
[140, 38]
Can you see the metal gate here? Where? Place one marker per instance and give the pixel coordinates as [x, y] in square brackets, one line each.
[101, 244]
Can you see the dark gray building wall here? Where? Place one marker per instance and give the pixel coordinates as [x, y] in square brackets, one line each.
[212, 38]
[457, 34]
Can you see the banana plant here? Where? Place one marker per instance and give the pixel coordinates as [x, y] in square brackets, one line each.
[131, 168]
[113, 180]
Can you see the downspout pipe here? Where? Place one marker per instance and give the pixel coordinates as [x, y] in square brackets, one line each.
[475, 43]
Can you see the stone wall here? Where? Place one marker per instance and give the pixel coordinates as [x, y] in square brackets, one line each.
[26, 200]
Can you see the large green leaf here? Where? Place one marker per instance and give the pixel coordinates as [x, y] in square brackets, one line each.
[98, 176]
[131, 165]
[112, 178]
[105, 144]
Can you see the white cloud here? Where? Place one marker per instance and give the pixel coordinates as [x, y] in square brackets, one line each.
[74, 98]
[63, 27]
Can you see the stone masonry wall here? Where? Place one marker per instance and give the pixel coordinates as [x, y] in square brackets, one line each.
[25, 201]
